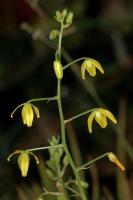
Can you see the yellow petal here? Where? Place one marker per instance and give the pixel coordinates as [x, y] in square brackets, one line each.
[90, 120]
[23, 114]
[23, 162]
[109, 115]
[36, 111]
[27, 114]
[91, 69]
[83, 69]
[101, 119]
[97, 65]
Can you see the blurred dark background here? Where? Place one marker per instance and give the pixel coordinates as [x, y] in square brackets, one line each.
[102, 30]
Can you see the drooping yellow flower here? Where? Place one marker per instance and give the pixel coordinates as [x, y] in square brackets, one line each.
[90, 65]
[112, 157]
[28, 113]
[23, 160]
[100, 116]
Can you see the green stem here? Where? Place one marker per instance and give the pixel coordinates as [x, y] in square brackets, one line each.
[43, 99]
[16, 109]
[43, 148]
[58, 53]
[92, 161]
[74, 61]
[79, 115]
[64, 142]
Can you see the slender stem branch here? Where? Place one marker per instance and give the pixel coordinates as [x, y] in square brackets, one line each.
[71, 63]
[79, 115]
[43, 148]
[73, 191]
[43, 99]
[92, 161]
[46, 192]
[16, 109]
[33, 100]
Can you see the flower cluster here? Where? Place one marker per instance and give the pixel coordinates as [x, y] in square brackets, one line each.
[29, 110]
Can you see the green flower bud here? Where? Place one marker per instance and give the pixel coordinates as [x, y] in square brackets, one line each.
[58, 69]
[84, 184]
[65, 161]
[69, 18]
[53, 34]
[64, 12]
[58, 16]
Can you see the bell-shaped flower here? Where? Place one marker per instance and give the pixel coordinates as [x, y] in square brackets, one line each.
[23, 160]
[90, 65]
[28, 113]
[100, 115]
[112, 157]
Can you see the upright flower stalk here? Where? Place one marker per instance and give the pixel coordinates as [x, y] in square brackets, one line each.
[62, 121]
[100, 115]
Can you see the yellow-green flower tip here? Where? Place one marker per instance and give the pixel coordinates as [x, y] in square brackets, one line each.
[28, 113]
[112, 157]
[90, 65]
[100, 116]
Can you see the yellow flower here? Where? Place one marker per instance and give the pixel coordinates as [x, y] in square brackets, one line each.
[28, 113]
[90, 65]
[100, 116]
[23, 160]
[112, 157]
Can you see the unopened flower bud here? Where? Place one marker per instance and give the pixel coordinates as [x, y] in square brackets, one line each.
[58, 69]
[69, 18]
[112, 157]
[53, 34]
